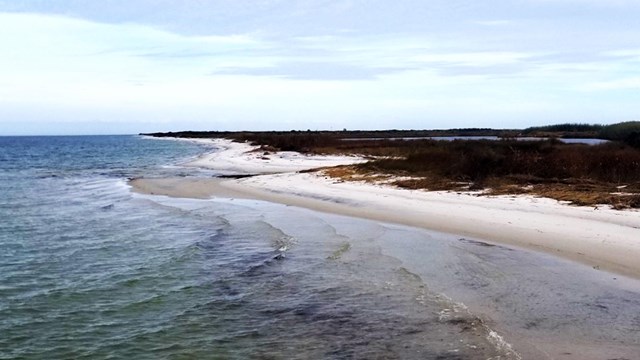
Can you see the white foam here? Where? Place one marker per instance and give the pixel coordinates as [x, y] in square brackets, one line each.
[502, 346]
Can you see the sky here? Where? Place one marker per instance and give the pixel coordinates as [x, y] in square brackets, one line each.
[129, 66]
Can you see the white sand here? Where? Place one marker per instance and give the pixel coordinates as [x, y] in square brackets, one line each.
[603, 238]
[242, 158]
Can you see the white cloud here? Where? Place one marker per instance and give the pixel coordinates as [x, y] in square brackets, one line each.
[451, 71]
[627, 54]
[495, 23]
[474, 59]
[631, 83]
[51, 44]
[599, 3]
[51, 58]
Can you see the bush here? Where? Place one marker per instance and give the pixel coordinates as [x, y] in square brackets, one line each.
[627, 132]
[566, 128]
[476, 161]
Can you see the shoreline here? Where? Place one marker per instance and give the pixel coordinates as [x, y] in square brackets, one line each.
[603, 238]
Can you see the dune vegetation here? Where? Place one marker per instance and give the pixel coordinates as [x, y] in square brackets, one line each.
[582, 174]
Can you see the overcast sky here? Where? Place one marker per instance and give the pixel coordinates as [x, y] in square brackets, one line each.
[128, 66]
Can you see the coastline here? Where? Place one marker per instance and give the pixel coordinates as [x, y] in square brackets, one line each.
[600, 237]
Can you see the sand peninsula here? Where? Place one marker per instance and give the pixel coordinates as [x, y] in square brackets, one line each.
[599, 236]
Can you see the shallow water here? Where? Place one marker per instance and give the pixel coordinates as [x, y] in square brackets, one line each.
[317, 286]
[543, 305]
[90, 270]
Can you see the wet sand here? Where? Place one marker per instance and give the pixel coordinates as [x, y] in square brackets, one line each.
[602, 238]
[182, 187]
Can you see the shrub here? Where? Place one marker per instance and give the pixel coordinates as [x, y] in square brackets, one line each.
[543, 160]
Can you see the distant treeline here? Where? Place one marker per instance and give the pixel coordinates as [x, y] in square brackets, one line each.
[627, 132]
[339, 134]
[298, 140]
[570, 128]
[306, 141]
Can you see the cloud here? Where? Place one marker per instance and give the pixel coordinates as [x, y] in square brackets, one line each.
[627, 54]
[473, 59]
[269, 63]
[495, 23]
[599, 3]
[630, 83]
[309, 71]
[62, 49]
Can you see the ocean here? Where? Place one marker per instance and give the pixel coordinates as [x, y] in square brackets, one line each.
[91, 270]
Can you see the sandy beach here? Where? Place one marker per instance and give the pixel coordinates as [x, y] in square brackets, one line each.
[546, 293]
[243, 159]
[601, 237]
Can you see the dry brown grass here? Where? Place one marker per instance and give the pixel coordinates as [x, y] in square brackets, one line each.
[574, 191]
[353, 173]
[432, 183]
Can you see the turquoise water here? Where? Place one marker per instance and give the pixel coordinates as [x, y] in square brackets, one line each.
[90, 270]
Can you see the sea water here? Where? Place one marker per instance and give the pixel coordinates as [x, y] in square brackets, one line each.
[90, 270]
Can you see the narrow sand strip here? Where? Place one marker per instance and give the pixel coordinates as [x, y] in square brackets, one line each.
[241, 158]
[603, 238]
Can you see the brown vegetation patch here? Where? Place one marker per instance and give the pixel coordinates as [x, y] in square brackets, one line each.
[432, 184]
[579, 192]
[578, 174]
[265, 149]
[352, 173]
[574, 191]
